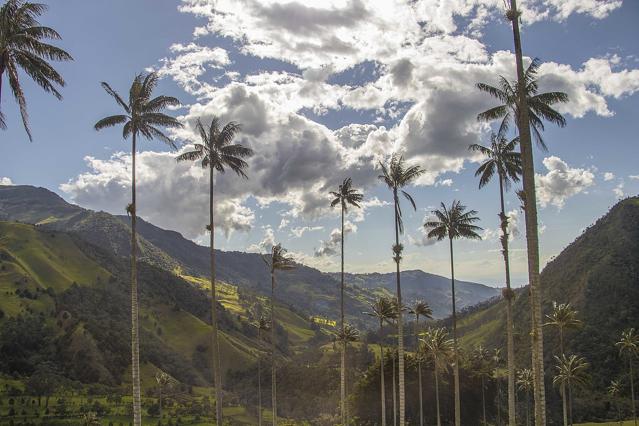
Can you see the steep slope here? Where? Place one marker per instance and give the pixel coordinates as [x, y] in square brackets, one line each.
[434, 289]
[599, 275]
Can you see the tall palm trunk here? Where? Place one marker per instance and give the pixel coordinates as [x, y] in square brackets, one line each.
[394, 389]
[510, 343]
[419, 372]
[439, 419]
[569, 403]
[483, 399]
[343, 357]
[455, 352]
[135, 337]
[217, 373]
[632, 392]
[563, 386]
[160, 421]
[273, 371]
[400, 323]
[259, 391]
[381, 374]
[532, 235]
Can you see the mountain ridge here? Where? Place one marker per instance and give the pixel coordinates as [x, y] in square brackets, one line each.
[309, 289]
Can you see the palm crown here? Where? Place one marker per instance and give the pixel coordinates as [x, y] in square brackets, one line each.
[563, 316]
[570, 370]
[525, 379]
[217, 149]
[142, 112]
[454, 222]
[22, 46]
[501, 157]
[438, 345]
[539, 104]
[348, 334]
[279, 259]
[629, 343]
[421, 309]
[346, 195]
[383, 309]
[396, 176]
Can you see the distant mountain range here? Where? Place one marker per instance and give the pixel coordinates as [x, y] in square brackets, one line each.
[309, 290]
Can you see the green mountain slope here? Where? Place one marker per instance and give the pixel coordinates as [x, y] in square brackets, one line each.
[80, 294]
[598, 274]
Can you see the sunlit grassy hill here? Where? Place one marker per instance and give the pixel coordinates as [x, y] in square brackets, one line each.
[81, 293]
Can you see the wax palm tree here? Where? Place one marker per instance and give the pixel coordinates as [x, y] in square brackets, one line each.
[344, 196]
[482, 367]
[163, 380]
[527, 113]
[397, 176]
[563, 316]
[23, 47]
[629, 346]
[571, 371]
[384, 312]
[614, 390]
[503, 161]
[217, 152]
[454, 222]
[540, 105]
[142, 116]
[278, 260]
[420, 309]
[525, 383]
[263, 324]
[439, 347]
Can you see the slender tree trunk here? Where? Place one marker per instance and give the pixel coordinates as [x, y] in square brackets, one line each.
[394, 390]
[455, 351]
[527, 408]
[564, 403]
[510, 343]
[343, 357]
[217, 370]
[400, 324]
[563, 386]
[160, 405]
[532, 235]
[259, 391]
[632, 393]
[419, 372]
[273, 369]
[483, 399]
[421, 394]
[439, 417]
[570, 403]
[498, 403]
[135, 338]
[381, 374]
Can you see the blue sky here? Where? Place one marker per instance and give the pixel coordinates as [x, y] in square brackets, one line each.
[325, 91]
